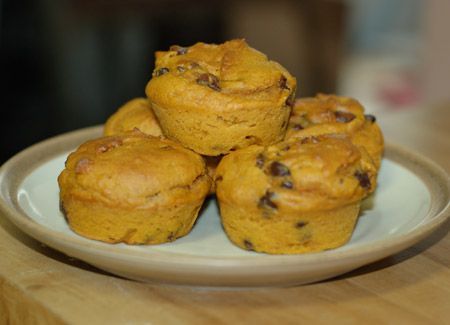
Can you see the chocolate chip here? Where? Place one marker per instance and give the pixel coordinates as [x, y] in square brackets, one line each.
[370, 118]
[181, 69]
[282, 83]
[300, 224]
[344, 117]
[179, 49]
[297, 127]
[363, 178]
[279, 169]
[287, 184]
[210, 80]
[266, 201]
[260, 160]
[286, 148]
[219, 178]
[311, 139]
[61, 207]
[171, 237]
[290, 100]
[248, 245]
[160, 72]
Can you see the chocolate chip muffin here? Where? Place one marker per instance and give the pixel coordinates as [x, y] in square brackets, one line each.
[135, 114]
[132, 188]
[297, 196]
[215, 99]
[328, 114]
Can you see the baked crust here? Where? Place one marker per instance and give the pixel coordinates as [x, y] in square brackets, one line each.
[133, 188]
[331, 114]
[218, 98]
[272, 191]
[134, 114]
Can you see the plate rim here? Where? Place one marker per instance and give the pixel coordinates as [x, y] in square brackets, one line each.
[18, 167]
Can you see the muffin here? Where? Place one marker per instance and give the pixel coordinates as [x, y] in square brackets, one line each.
[329, 114]
[215, 99]
[132, 188]
[135, 114]
[297, 196]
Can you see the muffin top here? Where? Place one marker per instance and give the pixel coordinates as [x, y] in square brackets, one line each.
[220, 77]
[315, 173]
[331, 114]
[325, 114]
[134, 170]
[134, 114]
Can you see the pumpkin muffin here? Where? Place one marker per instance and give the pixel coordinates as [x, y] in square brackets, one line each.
[215, 99]
[135, 114]
[330, 114]
[297, 196]
[132, 188]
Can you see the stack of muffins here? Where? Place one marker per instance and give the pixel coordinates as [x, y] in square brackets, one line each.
[289, 175]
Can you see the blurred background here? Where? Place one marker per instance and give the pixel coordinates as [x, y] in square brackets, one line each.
[69, 64]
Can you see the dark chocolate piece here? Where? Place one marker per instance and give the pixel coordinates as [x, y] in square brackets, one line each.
[260, 160]
[363, 178]
[370, 118]
[282, 83]
[160, 72]
[300, 224]
[210, 80]
[278, 169]
[344, 117]
[266, 201]
[179, 49]
[248, 245]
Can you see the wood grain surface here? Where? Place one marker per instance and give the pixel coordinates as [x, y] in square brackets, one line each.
[41, 286]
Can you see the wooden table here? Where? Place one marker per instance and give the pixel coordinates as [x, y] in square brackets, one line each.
[41, 286]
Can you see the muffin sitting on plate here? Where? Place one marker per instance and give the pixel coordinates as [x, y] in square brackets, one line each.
[133, 188]
[296, 196]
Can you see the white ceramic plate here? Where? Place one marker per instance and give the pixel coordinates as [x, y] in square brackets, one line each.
[411, 201]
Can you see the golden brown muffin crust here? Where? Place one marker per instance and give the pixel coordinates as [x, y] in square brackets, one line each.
[128, 170]
[313, 174]
[223, 71]
[134, 114]
[325, 114]
[331, 114]
[298, 196]
[133, 188]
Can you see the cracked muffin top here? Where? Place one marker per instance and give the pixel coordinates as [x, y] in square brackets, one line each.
[325, 114]
[231, 74]
[331, 114]
[134, 170]
[311, 174]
